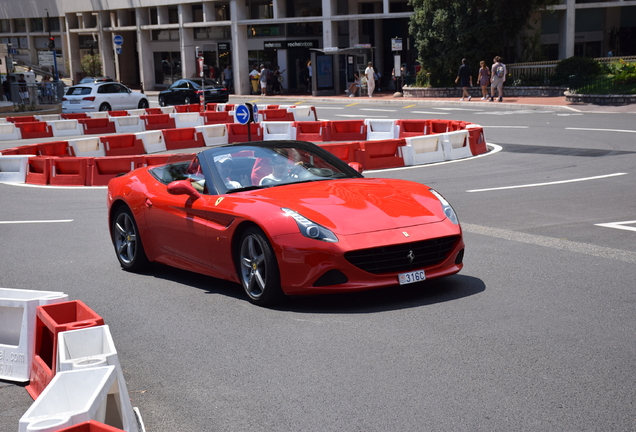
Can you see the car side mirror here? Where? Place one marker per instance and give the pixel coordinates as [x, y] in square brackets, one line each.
[356, 166]
[183, 187]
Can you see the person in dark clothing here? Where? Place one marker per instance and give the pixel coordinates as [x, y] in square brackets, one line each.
[6, 88]
[464, 75]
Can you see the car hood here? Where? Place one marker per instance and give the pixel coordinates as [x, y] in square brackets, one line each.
[354, 206]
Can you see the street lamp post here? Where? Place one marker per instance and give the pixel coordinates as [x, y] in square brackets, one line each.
[52, 47]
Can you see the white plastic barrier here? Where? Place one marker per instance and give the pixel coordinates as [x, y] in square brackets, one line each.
[9, 132]
[87, 147]
[303, 113]
[220, 107]
[213, 134]
[128, 124]
[17, 329]
[48, 117]
[3, 120]
[13, 168]
[167, 110]
[74, 397]
[136, 112]
[381, 129]
[187, 119]
[94, 347]
[153, 141]
[456, 145]
[66, 128]
[98, 114]
[278, 131]
[422, 150]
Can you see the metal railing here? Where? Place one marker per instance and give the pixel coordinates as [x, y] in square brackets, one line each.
[602, 85]
[36, 93]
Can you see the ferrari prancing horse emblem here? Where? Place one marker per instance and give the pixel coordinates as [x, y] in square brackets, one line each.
[411, 257]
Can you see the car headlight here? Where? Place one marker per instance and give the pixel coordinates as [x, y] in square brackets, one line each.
[446, 207]
[309, 228]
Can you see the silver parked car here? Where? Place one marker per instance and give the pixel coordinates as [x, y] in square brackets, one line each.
[102, 96]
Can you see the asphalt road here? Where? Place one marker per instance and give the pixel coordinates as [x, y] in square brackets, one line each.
[536, 333]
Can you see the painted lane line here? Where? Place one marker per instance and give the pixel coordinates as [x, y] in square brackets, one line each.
[507, 127]
[548, 184]
[329, 108]
[409, 106]
[602, 130]
[381, 110]
[358, 115]
[36, 221]
[619, 225]
[352, 104]
[554, 243]
[460, 109]
[430, 112]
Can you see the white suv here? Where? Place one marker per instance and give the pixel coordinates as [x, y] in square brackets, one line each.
[102, 96]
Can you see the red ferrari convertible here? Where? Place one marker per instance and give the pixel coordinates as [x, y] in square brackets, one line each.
[282, 218]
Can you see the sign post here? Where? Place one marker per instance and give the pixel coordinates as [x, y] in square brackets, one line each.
[247, 113]
[118, 41]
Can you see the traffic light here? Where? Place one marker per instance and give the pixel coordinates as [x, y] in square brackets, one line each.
[51, 44]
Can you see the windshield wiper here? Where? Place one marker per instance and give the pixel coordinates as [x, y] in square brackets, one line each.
[248, 188]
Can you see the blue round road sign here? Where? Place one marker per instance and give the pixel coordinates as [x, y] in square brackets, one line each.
[255, 111]
[118, 40]
[242, 114]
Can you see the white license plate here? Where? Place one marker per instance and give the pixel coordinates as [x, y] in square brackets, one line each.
[411, 277]
[75, 101]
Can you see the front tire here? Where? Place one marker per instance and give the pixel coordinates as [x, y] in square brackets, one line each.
[162, 101]
[258, 269]
[127, 241]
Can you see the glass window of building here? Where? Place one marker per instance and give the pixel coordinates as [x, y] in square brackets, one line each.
[173, 15]
[222, 11]
[260, 9]
[212, 33]
[19, 25]
[5, 26]
[154, 15]
[37, 25]
[305, 29]
[303, 8]
[266, 30]
[197, 13]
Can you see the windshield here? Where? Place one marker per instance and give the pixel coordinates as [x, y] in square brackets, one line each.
[208, 82]
[271, 164]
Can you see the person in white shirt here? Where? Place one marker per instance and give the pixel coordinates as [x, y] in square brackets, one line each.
[225, 164]
[368, 73]
[279, 172]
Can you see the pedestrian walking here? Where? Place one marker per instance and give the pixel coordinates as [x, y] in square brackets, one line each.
[497, 78]
[263, 80]
[228, 77]
[465, 77]
[369, 75]
[484, 79]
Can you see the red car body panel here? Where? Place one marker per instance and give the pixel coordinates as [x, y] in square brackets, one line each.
[199, 234]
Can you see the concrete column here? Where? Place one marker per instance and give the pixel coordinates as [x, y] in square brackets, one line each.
[72, 44]
[144, 51]
[187, 43]
[240, 64]
[106, 50]
[570, 18]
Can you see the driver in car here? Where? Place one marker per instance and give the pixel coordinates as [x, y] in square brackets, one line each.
[279, 173]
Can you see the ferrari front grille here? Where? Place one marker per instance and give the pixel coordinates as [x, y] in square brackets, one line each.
[403, 257]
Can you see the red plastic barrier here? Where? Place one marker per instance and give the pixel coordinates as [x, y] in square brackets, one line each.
[120, 113]
[29, 149]
[347, 130]
[217, 117]
[477, 141]
[346, 152]
[35, 129]
[74, 116]
[380, 154]
[55, 148]
[411, 128]
[151, 111]
[440, 126]
[94, 126]
[50, 321]
[276, 115]
[269, 107]
[71, 171]
[102, 169]
[38, 170]
[162, 159]
[211, 106]
[182, 138]
[122, 145]
[90, 426]
[312, 131]
[229, 107]
[10, 151]
[158, 121]
[22, 119]
[187, 108]
[237, 132]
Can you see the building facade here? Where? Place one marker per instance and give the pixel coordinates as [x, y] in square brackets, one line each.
[158, 41]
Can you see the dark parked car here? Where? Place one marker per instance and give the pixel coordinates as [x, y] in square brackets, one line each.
[187, 91]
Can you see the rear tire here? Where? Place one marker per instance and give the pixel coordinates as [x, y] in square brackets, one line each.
[258, 268]
[127, 241]
[187, 100]
[162, 101]
[143, 104]
[105, 107]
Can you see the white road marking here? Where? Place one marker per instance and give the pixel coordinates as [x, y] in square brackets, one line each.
[55, 187]
[602, 130]
[555, 243]
[619, 225]
[358, 115]
[514, 112]
[429, 112]
[547, 184]
[381, 110]
[507, 127]
[459, 109]
[36, 221]
[329, 107]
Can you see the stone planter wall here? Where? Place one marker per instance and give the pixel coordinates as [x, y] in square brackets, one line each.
[600, 99]
[475, 92]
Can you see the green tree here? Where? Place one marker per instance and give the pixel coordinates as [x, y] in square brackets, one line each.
[92, 65]
[446, 31]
